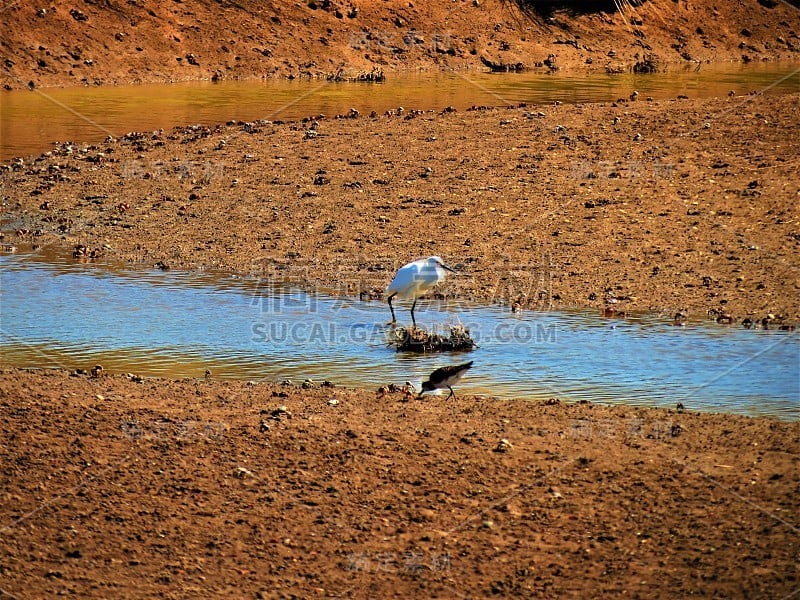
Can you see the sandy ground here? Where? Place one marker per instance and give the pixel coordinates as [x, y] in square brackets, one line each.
[174, 489]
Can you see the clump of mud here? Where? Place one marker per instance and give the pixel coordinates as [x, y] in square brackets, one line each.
[421, 340]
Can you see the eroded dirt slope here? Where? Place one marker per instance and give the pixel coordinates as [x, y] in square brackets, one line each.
[115, 42]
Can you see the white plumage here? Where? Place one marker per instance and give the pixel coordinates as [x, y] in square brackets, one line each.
[414, 279]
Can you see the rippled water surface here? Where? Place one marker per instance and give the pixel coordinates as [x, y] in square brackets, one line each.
[30, 121]
[60, 313]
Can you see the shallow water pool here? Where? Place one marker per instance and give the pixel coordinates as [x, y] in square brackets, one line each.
[57, 312]
[31, 121]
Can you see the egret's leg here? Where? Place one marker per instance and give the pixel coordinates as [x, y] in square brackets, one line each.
[452, 393]
[413, 320]
[391, 308]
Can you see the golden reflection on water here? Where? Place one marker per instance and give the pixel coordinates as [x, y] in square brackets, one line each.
[31, 121]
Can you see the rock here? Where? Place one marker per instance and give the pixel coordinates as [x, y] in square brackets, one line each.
[503, 446]
[281, 410]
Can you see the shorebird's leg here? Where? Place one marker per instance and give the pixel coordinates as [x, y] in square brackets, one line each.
[391, 308]
[452, 393]
[413, 320]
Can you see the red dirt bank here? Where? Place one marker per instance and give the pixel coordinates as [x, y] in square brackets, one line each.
[101, 43]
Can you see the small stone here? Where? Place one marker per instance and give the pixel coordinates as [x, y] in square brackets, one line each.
[503, 446]
[426, 514]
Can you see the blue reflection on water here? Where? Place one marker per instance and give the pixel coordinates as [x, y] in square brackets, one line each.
[61, 313]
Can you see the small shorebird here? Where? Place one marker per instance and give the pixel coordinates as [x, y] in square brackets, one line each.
[414, 279]
[445, 377]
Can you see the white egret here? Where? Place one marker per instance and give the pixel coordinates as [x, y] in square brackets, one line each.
[414, 279]
[445, 377]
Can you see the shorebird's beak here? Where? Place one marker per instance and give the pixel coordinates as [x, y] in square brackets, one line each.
[444, 266]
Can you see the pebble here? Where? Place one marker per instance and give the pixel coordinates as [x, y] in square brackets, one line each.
[503, 446]
[281, 410]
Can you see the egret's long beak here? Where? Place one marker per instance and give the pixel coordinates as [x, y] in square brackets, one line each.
[444, 266]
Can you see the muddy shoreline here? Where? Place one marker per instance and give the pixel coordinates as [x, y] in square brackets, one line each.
[130, 487]
[683, 206]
